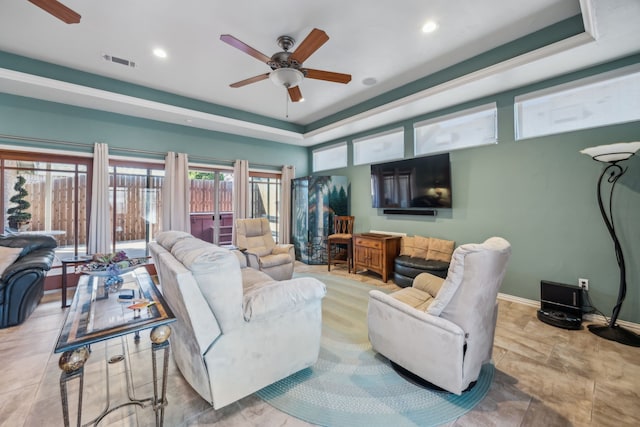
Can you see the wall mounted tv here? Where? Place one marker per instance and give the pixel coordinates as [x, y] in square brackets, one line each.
[414, 184]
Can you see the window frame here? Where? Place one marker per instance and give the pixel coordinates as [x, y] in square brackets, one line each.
[378, 138]
[585, 84]
[470, 114]
[341, 146]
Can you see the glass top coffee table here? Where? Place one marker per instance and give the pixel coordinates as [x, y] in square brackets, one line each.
[99, 313]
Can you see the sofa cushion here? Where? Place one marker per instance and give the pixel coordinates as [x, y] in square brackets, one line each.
[440, 250]
[407, 245]
[217, 272]
[167, 239]
[421, 246]
[413, 297]
[252, 278]
[450, 285]
[483, 272]
[7, 257]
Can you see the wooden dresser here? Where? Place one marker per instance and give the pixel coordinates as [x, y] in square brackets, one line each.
[375, 252]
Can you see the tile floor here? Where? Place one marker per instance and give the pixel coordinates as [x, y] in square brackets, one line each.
[545, 376]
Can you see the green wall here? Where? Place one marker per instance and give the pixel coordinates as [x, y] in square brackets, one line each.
[540, 194]
[33, 118]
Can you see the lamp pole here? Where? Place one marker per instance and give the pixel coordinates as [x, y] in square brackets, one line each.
[611, 331]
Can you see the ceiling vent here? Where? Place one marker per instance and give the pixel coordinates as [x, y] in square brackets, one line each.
[120, 61]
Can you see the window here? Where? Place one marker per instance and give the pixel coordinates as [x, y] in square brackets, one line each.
[380, 147]
[54, 195]
[264, 198]
[332, 157]
[608, 98]
[136, 205]
[468, 128]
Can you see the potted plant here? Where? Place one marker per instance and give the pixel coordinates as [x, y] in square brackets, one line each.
[19, 217]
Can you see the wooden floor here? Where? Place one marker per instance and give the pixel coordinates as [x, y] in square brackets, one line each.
[545, 376]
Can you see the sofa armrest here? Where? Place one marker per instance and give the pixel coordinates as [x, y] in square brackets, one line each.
[429, 283]
[39, 259]
[274, 298]
[282, 248]
[253, 259]
[393, 304]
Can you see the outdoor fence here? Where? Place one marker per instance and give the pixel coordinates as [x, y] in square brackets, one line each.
[137, 201]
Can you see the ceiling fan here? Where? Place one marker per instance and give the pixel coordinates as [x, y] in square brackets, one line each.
[287, 69]
[58, 10]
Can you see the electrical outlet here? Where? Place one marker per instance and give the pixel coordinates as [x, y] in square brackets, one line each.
[584, 284]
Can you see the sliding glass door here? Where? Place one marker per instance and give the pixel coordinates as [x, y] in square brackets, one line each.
[136, 205]
[264, 193]
[212, 204]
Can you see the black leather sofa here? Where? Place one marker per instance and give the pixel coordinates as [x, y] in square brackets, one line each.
[406, 268]
[22, 283]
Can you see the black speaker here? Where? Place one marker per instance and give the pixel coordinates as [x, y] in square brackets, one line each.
[560, 305]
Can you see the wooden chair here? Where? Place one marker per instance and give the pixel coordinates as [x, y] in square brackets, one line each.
[342, 235]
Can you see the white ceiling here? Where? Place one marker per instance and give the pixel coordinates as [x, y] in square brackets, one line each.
[368, 39]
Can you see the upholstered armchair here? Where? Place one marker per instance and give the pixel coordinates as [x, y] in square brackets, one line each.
[442, 330]
[262, 252]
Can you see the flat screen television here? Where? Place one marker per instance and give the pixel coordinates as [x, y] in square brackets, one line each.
[422, 182]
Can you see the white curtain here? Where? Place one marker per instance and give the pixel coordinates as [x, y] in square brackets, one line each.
[99, 239]
[240, 191]
[176, 193]
[288, 173]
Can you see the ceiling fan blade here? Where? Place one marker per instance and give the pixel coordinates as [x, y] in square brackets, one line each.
[58, 10]
[314, 40]
[250, 80]
[230, 40]
[295, 94]
[327, 75]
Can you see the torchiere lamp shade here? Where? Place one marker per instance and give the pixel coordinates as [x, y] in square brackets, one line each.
[612, 153]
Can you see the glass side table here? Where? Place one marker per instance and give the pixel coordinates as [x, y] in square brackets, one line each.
[97, 314]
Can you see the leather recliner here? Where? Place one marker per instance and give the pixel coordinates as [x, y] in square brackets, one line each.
[22, 283]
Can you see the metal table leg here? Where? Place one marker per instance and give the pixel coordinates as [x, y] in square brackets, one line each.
[159, 338]
[72, 364]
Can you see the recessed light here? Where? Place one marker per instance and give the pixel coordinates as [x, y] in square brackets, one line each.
[160, 53]
[429, 27]
[369, 81]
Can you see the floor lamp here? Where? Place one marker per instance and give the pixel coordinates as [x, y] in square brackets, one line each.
[612, 154]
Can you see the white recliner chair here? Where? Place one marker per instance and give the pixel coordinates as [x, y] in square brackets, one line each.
[262, 252]
[442, 330]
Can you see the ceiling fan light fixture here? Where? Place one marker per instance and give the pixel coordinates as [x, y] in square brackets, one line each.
[287, 77]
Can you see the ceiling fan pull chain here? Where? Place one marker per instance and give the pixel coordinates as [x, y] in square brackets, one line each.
[286, 103]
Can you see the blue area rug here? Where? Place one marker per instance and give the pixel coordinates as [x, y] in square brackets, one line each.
[352, 386]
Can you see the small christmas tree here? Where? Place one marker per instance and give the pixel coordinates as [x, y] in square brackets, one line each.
[18, 215]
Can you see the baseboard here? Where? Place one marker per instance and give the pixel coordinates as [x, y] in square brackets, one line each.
[591, 317]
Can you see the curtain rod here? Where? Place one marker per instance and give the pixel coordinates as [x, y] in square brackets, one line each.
[126, 150]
